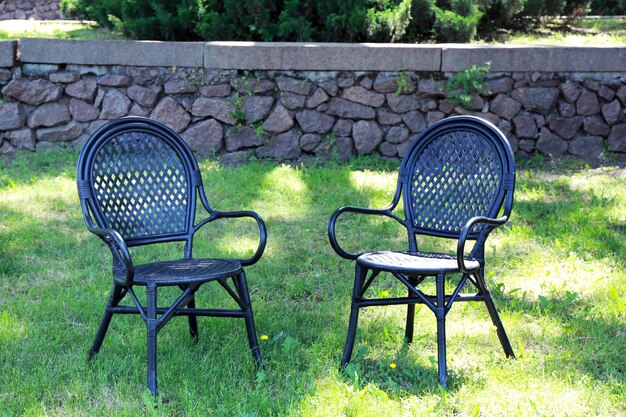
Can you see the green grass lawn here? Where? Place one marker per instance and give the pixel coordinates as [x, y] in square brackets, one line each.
[557, 270]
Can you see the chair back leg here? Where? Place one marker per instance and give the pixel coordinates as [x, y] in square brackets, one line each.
[193, 320]
[241, 285]
[410, 315]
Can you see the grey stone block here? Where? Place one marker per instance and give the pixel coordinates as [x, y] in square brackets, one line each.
[284, 146]
[617, 138]
[170, 113]
[23, 138]
[256, 108]
[587, 147]
[7, 53]
[64, 133]
[278, 121]
[32, 92]
[367, 135]
[309, 141]
[312, 121]
[566, 127]
[205, 137]
[220, 109]
[534, 58]
[242, 137]
[12, 116]
[48, 115]
[322, 56]
[551, 144]
[98, 52]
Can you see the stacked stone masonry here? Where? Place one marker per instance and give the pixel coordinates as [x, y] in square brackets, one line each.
[295, 115]
[30, 9]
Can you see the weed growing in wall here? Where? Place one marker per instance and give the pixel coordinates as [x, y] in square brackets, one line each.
[464, 84]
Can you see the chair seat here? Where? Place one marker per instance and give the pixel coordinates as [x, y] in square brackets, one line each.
[185, 271]
[415, 263]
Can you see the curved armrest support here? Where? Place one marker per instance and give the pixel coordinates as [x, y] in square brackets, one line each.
[360, 210]
[262, 231]
[460, 249]
[123, 269]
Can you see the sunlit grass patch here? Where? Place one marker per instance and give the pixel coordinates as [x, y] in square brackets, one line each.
[567, 39]
[603, 24]
[85, 30]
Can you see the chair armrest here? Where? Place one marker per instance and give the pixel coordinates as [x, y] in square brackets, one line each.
[460, 249]
[215, 215]
[123, 269]
[360, 210]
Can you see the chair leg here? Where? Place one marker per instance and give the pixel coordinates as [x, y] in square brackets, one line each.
[114, 298]
[193, 320]
[151, 325]
[440, 313]
[359, 278]
[410, 315]
[495, 319]
[242, 288]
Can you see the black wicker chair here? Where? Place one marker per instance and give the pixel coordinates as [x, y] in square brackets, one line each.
[139, 184]
[455, 179]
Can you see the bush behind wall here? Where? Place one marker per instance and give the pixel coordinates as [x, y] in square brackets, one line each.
[320, 20]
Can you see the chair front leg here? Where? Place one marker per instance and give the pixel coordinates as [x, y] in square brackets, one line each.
[440, 313]
[151, 325]
[241, 285]
[359, 278]
[495, 317]
[114, 299]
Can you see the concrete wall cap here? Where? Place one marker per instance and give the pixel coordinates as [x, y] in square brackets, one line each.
[300, 56]
[104, 52]
[516, 58]
[322, 56]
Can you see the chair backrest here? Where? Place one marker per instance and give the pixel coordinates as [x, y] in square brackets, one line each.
[138, 177]
[458, 168]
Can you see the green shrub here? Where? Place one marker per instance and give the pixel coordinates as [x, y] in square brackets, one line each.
[93, 9]
[388, 24]
[422, 20]
[537, 8]
[320, 20]
[262, 20]
[167, 20]
[500, 13]
[608, 7]
[296, 22]
[246, 20]
[342, 20]
[459, 24]
[141, 19]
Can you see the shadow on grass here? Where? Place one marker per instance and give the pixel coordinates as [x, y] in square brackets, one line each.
[577, 221]
[586, 342]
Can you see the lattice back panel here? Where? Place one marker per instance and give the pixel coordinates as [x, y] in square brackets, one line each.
[455, 177]
[141, 186]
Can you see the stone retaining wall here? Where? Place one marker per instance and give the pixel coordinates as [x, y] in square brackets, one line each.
[285, 111]
[30, 9]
